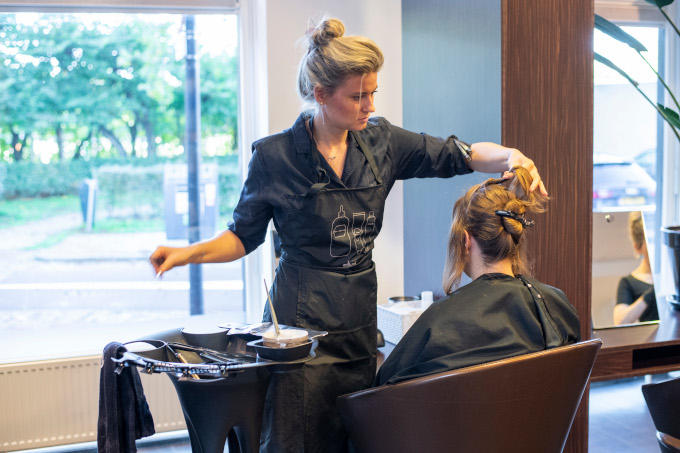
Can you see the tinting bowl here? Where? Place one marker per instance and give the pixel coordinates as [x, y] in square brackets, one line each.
[287, 354]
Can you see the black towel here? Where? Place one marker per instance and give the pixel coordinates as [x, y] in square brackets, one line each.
[124, 415]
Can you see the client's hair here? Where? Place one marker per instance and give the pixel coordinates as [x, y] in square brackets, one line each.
[493, 213]
[636, 229]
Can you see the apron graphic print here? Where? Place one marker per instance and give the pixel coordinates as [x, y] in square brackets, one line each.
[341, 243]
[346, 237]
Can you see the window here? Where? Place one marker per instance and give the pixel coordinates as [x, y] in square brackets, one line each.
[93, 175]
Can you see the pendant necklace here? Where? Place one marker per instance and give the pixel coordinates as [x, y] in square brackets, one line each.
[330, 157]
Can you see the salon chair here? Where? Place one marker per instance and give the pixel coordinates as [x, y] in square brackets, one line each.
[663, 402]
[525, 403]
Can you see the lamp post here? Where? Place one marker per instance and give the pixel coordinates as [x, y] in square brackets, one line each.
[192, 108]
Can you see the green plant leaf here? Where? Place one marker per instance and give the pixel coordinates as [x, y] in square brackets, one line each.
[605, 61]
[670, 115]
[617, 33]
[660, 3]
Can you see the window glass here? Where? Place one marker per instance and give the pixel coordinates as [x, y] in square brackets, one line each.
[93, 176]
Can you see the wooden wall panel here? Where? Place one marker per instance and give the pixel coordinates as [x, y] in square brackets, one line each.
[547, 112]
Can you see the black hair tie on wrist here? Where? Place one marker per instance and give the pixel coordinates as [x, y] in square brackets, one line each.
[513, 215]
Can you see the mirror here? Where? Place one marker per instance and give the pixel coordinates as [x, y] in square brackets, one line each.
[622, 289]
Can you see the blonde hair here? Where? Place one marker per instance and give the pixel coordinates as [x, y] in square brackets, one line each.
[331, 57]
[498, 236]
[636, 229]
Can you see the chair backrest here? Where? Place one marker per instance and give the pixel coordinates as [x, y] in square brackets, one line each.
[663, 402]
[525, 403]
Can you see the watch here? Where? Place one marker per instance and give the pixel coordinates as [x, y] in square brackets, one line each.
[464, 148]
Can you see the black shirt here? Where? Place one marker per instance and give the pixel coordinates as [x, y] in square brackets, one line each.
[630, 289]
[490, 318]
[285, 165]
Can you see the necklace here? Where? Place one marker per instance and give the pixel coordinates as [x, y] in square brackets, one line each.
[330, 157]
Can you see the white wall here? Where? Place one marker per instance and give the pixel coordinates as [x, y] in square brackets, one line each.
[379, 20]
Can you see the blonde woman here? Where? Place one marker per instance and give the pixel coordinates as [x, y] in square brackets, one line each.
[324, 182]
[635, 298]
[503, 312]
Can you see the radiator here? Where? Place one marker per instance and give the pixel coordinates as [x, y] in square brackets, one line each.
[56, 402]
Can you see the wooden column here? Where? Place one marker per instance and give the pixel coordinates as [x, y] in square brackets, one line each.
[547, 112]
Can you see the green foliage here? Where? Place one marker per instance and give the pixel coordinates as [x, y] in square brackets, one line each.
[130, 196]
[137, 191]
[24, 210]
[670, 115]
[617, 33]
[660, 3]
[607, 62]
[125, 191]
[32, 179]
[104, 90]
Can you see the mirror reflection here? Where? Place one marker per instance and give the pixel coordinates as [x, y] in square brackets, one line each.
[623, 287]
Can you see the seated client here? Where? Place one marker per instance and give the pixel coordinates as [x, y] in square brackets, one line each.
[502, 312]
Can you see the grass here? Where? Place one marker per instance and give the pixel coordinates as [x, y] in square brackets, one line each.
[24, 210]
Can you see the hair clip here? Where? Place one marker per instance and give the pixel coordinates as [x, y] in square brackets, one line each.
[513, 215]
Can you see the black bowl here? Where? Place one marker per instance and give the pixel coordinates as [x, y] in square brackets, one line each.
[287, 354]
[207, 338]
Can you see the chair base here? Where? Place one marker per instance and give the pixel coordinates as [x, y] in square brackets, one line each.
[668, 444]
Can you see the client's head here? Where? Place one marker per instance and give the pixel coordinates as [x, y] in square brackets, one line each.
[493, 215]
[636, 230]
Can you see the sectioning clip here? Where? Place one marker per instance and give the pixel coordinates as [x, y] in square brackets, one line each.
[513, 215]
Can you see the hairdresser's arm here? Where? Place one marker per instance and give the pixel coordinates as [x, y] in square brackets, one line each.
[221, 249]
[490, 157]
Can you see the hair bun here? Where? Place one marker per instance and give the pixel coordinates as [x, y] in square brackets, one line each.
[513, 226]
[325, 31]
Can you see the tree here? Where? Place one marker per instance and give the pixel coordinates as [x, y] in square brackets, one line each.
[75, 80]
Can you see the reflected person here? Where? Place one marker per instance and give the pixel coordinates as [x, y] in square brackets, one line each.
[635, 299]
[503, 312]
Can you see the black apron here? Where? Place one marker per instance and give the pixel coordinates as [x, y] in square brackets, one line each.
[337, 226]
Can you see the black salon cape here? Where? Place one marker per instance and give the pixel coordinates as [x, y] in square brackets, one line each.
[491, 318]
[630, 289]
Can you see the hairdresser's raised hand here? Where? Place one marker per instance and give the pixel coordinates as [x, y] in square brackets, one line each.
[517, 159]
[165, 258]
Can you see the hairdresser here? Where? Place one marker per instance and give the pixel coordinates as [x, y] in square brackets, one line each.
[324, 182]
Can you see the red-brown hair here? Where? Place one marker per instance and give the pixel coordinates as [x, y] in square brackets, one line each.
[498, 237]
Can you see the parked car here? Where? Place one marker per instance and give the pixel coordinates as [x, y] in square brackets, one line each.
[647, 160]
[620, 183]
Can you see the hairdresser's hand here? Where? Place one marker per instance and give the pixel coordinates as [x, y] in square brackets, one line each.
[517, 159]
[165, 258]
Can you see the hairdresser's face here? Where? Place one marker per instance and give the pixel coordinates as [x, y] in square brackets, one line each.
[350, 105]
